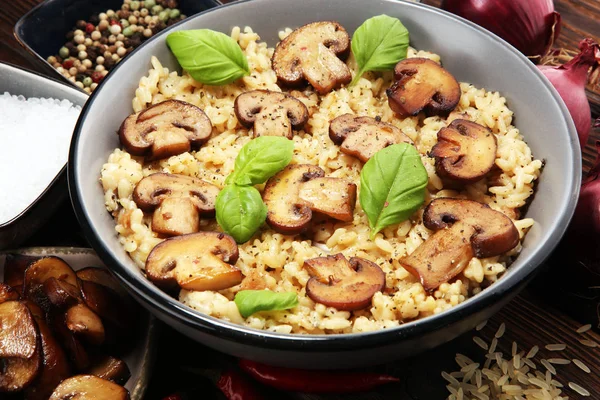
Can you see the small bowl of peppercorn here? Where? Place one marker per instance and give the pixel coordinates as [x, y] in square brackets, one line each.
[82, 40]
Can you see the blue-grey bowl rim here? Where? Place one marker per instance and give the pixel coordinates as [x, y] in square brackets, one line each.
[332, 342]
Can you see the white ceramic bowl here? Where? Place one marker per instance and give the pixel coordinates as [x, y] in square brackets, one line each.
[470, 53]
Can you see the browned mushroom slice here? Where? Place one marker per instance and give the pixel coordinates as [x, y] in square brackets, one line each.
[286, 213]
[55, 366]
[311, 53]
[107, 304]
[20, 353]
[165, 129]
[40, 271]
[112, 369]
[465, 229]
[271, 113]
[422, 85]
[198, 261]
[342, 284]
[362, 137]
[102, 277]
[111, 302]
[291, 197]
[14, 268]
[7, 293]
[334, 197]
[89, 387]
[71, 344]
[18, 373]
[178, 202]
[465, 151]
[18, 333]
[84, 322]
[61, 294]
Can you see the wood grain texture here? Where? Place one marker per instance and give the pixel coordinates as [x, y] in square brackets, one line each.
[548, 311]
[10, 50]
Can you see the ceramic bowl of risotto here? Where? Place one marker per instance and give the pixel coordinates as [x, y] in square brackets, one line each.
[395, 211]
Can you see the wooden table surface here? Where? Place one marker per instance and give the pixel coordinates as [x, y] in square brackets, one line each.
[564, 296]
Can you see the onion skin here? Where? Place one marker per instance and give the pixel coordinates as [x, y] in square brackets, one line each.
[571, 88]
[531, 26]
[570, 80]
[587, 213]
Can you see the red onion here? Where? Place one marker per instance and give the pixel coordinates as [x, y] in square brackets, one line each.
[587, 213]
[531, 26]
[570, 80]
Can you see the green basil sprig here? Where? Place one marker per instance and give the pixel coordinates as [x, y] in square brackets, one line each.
[249, 302]
[210, 57]
[378, 44]
[239, 208]
[392, 186]
[240, 211]
[262, 158]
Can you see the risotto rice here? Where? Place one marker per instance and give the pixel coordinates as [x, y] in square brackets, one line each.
[274, 261]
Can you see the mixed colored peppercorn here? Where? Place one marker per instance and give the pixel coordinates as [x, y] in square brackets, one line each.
[95, 46]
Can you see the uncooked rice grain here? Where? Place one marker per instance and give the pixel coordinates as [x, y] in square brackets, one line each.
[532, 352]
[584, 328]
[450, 378]
[539, 382]
[559, 361]
[581, 365]
[548, 366]
[556, 347]
[516, 378]
[493, 345]
[588, 343]
[480, 342]
[582, 391]
[481, 325]
[500, 331]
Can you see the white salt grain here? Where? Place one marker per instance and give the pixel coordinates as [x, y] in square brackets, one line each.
[35, 134]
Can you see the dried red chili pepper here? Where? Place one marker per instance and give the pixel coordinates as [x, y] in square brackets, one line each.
[308, 381]
[175, 396]
[236, 386]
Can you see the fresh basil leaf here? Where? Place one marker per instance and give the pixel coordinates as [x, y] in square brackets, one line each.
[210, 57]
[378, 44]
[262, 158]
[392, 186]
[249, 302]
[240, 211]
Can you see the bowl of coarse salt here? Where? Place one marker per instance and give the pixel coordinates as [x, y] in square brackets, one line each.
[37, 118]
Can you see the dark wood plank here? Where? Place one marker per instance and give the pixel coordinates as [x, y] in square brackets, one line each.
[10, 50]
